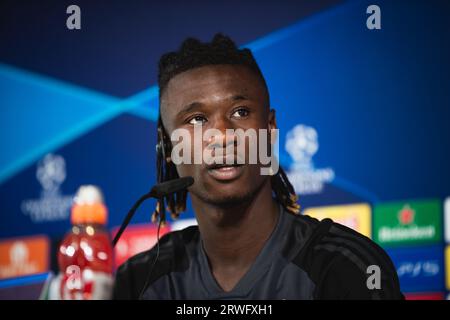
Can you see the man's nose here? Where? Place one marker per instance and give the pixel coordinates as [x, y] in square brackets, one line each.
[223, 138]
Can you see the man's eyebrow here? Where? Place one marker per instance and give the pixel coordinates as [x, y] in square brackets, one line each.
[239, 97]
[189, 108]
[195, 105]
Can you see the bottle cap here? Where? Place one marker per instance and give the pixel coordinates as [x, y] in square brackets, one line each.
[88, 206]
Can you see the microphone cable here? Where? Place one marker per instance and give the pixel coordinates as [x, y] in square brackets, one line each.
[147, 280]
[159, 191]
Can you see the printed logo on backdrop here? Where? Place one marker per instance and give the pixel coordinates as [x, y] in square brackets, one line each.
[302, 144]
[23, 256]
[136, 239]
[413, 222]
[51, 205]
[420, 269]
[423, 268]
[354, 216]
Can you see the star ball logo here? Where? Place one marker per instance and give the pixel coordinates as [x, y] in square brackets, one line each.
[52, 205]
[302, 143]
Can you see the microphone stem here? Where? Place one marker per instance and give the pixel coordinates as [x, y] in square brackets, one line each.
[130, 214]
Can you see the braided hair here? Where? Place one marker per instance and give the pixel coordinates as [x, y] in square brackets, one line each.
[193, 54]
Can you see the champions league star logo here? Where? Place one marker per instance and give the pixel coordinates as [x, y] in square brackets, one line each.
[51, 173]
[51, 206]
[301, 144]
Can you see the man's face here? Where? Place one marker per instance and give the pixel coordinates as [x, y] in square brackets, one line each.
[218, 97]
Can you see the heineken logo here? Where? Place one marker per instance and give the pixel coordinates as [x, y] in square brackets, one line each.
[387, 234]
[407, 230]
[411, 222]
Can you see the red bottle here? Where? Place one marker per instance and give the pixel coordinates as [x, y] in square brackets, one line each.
[85, 256]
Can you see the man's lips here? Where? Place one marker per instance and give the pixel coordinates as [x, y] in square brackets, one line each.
[222, 165]
[224, 172]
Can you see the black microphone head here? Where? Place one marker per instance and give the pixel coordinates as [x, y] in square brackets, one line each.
[172, 186]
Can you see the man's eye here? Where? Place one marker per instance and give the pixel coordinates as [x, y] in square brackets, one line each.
[240, 113]
[197, 120]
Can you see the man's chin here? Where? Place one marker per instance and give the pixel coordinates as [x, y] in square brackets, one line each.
[228, 192]
[222, 198]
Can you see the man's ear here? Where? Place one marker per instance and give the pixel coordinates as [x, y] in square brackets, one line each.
[272, 120]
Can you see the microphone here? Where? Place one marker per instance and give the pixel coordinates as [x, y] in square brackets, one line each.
[171, 186]
[159, 191]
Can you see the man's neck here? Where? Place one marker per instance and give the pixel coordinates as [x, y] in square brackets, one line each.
[234, 236]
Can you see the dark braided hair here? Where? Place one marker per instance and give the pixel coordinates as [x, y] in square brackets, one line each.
[193, 54]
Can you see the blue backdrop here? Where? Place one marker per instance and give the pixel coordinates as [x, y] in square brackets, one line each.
[378, 100]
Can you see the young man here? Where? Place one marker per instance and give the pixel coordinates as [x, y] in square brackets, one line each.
[251, 242]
